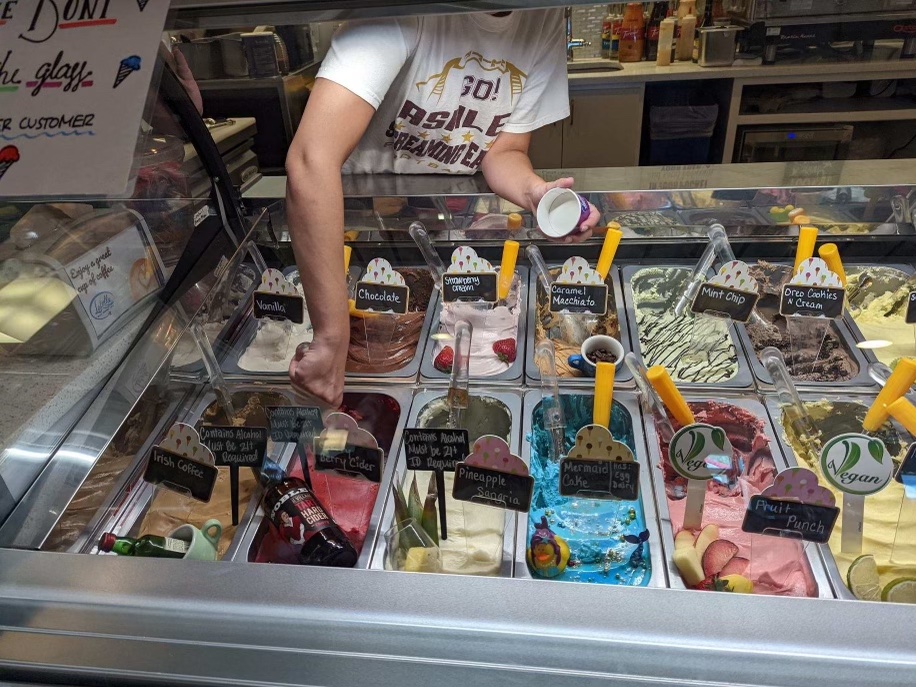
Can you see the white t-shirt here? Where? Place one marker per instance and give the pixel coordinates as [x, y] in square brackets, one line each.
[445, 86]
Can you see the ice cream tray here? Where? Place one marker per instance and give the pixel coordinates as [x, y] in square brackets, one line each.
[428, 372]
[513, 402]
[774, 407]
[857, 334]
[743, 378]
[126, 518]
[630, 402]
[623, 377]
[824, 586]
[861, 380]
[256, 526]
[247, 327]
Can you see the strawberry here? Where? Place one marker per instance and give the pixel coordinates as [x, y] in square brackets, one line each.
[717, 556]
[445, 360]
[712, 584]
[736, 566]
[505, 350]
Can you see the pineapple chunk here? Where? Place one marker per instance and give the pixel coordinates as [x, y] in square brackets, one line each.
[688, 563]
[683, 540]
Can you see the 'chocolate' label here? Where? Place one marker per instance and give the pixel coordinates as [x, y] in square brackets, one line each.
[382, 298]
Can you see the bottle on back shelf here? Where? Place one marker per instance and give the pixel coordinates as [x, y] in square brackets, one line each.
[148, 546]
[302, 521]
[666, 41]
[616, 24]
[607, 27]
[686, 28]
[659, 12]
[632, 34]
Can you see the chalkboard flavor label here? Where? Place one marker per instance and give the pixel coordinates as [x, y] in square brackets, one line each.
[911, 308]
[436, 450]
[781, 518]
[292, 423]
[492, 476]
[469, 278]
[470, 288]
[354, 461]
[180, 474]
[588, 299]
[382, 289]
[732, 292]
[814, 291]
[277, 298]
[235, 446]
[278, 307]
[599, 467]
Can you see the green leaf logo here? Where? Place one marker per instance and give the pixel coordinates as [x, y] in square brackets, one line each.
[698, 443]
[718, 438]
[876, 449]
[853, 453]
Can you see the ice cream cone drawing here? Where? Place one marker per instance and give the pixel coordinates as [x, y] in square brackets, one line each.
[128, 66]
[142, 4]
[9, 155]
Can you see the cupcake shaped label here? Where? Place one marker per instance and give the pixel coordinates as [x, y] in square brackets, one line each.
[346, 448]
[469, 278]
[795, 505]
[814, 291]
[277, 298]
[599, 467]
[731, 293]
[382, 289]
[911, 308]
[578, 289]
[181, 463]
[492, 476]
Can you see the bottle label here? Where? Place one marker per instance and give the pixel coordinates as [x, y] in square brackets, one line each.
[652, 32]
[298, 516]
[175, 545]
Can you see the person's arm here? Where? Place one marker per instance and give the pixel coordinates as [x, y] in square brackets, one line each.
[510, 175]
[314, 209]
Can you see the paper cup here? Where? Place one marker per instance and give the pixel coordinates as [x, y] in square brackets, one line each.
[561, 212]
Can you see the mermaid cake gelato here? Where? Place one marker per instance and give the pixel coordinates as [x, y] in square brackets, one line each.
[583, 539]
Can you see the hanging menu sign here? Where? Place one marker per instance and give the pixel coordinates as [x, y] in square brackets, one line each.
[74, 77]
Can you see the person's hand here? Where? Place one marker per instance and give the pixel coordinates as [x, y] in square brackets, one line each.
[318, 371]
[186, 77]
[585, 229]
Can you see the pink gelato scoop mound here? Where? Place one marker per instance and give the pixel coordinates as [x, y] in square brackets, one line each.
[777, 567]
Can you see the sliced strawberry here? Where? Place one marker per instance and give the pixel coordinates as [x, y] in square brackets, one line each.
[711, 584]
[445, 360]
[717, 556]
[505, 350]
[736, 566]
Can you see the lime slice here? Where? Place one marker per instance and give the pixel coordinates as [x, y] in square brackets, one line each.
[862, 579]
[901, 591]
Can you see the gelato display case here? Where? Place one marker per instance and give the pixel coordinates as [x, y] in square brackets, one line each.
[171, 507]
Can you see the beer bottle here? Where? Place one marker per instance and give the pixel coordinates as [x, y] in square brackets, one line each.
[147, 546]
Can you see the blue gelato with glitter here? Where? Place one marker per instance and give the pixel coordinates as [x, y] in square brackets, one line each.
[607, 539]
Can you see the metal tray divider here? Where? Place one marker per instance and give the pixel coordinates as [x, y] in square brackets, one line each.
[659, 577]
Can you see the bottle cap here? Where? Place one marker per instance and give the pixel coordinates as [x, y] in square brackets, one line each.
[107, 542]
